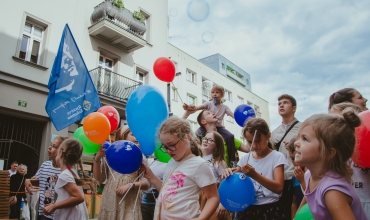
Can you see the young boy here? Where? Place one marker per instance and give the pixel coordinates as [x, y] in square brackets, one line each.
[299, 184]
[219, 109]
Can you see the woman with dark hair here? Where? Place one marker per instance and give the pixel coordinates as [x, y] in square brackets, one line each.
[348, 95]
[17, 186]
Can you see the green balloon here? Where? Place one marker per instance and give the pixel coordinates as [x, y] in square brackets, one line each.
[304, 213]
[163, 157]
[89, 146]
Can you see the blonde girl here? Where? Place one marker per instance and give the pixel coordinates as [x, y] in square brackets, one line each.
[266, 168]
[326, 142]
[185, 176]
[68, 191]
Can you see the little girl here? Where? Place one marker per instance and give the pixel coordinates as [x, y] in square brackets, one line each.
[326, 142]
[219, 109]
[266, 168]
[185, 176]
[213, 152]
[68, 191]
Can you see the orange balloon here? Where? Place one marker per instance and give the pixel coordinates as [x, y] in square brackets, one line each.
[97, 127]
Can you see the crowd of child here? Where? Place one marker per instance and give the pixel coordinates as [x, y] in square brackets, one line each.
[295, 164]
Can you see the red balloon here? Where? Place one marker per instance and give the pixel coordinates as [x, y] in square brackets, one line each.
[361, 155]
[112, 114]
[164, 69]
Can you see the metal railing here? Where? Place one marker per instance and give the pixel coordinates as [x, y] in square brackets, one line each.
[113, 84]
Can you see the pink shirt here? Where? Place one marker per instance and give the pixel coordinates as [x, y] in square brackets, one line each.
[331, 181]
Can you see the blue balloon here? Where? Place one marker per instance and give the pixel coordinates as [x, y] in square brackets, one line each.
[105, 145]
[236, 192]
[242, 113]
[124, 157]
[145, 111]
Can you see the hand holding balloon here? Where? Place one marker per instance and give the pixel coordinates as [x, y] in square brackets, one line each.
[247, 169]
[100, 153]
[229, 171]
[148, 173]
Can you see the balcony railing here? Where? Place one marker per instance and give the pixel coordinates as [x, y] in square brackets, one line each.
[112, 84]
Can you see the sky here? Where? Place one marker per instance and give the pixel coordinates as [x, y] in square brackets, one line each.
[309, 49]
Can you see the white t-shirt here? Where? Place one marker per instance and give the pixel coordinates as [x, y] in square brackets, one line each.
[158, 169]
[180, 194]
[77, 212]
[265, 167]
[11, 173]
[217, 168]
[361, 183]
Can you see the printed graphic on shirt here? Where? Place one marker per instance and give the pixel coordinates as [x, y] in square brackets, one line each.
[50, 189]
[175, 182]
[259, 190]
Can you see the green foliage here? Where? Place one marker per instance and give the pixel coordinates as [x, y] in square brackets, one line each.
[118, 4]
[139, 16]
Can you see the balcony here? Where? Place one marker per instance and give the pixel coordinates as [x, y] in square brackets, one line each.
[113, 85]
[117, 27]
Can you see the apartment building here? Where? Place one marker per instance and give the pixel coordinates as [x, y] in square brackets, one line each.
[119, 51]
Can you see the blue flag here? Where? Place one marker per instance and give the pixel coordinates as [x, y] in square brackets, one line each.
[72, 94]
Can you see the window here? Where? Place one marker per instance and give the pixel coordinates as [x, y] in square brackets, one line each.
[31, 42]
[240, 100]
[192, 100]
[148, 21]
[228, 95]
[174, 94]
[257, 110]
[141, 74]
[106, 62]
[223, 65]
[191, 76]
[194, 125]
[229, 119]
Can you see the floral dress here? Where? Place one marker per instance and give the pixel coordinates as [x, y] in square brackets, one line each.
[110, 207]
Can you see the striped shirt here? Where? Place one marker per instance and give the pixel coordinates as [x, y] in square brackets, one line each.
[46, 187]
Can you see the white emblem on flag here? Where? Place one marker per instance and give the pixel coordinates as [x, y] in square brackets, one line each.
[68, 67]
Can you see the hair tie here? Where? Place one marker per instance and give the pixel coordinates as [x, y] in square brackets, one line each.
[69, 167]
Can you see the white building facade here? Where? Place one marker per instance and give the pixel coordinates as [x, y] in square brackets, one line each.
[119, 54]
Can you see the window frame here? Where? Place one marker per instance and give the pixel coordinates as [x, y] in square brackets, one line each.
[240, 100]
[191, 96]
[228, 95]
[175, 97]
[31, 40]
[148, 24]
[193, 76]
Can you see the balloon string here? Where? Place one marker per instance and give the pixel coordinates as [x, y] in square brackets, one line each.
[109, 169]
[137, 196]
[131, 187]
[250, 152]
[177, 93]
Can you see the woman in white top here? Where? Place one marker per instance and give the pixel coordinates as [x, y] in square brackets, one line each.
[185, 176]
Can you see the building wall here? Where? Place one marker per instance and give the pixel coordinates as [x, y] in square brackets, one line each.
[29, 83]
[220, 63]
